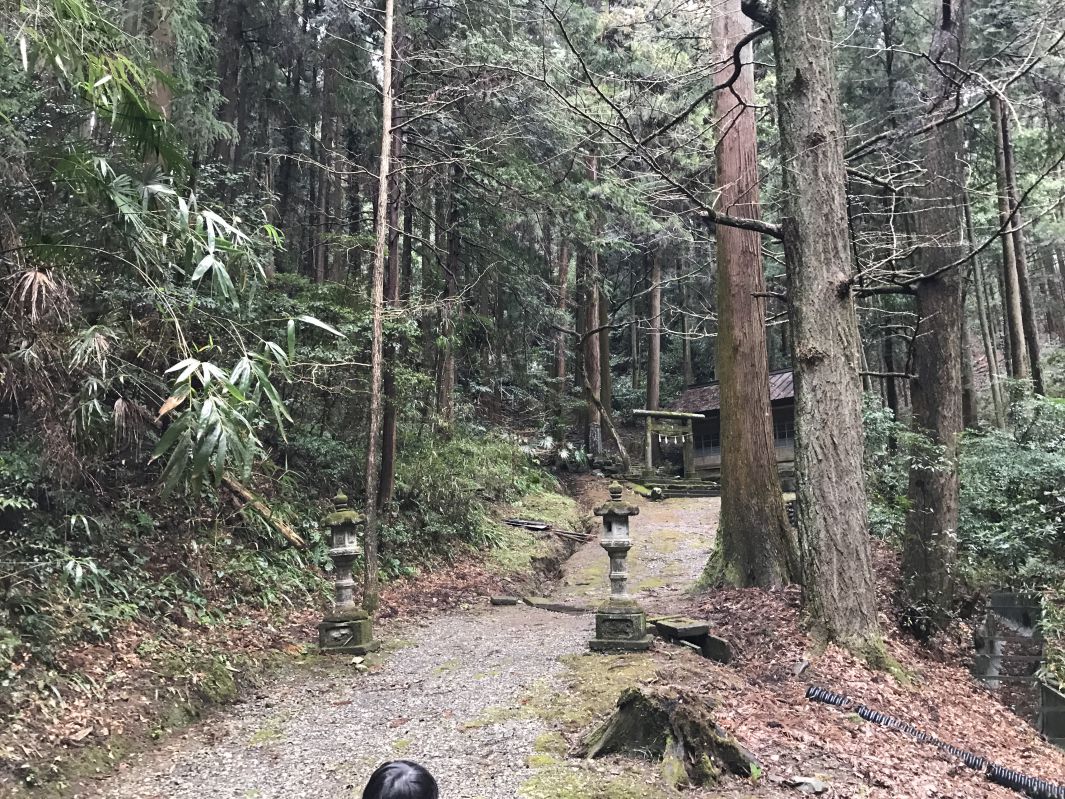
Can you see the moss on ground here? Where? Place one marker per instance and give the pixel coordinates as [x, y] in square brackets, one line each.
[557, 779]
[516, 550]
[271, 731]
[593, 684]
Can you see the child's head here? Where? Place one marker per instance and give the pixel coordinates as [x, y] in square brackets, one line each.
[400, 779]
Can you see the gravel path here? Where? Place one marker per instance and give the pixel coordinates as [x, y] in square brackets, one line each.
[321, 731]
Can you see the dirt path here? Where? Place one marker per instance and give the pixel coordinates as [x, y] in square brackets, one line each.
[447, 692]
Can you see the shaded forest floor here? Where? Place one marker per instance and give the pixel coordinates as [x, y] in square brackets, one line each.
[493, 699]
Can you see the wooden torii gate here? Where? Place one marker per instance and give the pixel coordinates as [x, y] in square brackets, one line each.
[669, 425]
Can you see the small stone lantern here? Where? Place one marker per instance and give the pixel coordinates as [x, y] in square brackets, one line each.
[346, 629]
[620, 624]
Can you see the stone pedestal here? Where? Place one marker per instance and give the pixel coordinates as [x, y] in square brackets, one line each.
[347, 628]
[620, 627]
[347, 634]
[620, 623]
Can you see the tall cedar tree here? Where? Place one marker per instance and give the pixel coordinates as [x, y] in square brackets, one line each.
[930, 542]
[839, 592]
[754, 537]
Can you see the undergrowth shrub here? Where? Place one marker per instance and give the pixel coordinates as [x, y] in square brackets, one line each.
[444, 488]
[1011, 530]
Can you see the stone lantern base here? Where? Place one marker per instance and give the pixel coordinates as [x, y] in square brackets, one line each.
[347, 632]
[620, 626]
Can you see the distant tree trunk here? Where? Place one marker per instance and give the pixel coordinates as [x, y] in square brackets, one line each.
[986, 337]
[592, 375]
[326, 178]
[286, 178]
[1055, 296]
[580, 324]
[654, 334]
[1011, 296]
[754, 539]
[377, 302]
[970, 411]
[686, 342]
[560, 336]
[393, 285]
[930, 540]
[445, 384]
[1020, 254]
[839, 592]
[606, 380]
[229, 50]
[353, 252]
[634, 332]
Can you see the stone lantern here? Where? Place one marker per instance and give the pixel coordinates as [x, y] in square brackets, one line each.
[620, 624]
[347, 628]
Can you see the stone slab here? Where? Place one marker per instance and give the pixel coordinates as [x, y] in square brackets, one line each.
[680, 627]
[543, 603]
[715, 648]
[504, 600]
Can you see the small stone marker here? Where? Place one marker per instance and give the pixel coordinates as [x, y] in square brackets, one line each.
[347, 628]
[504, 600]
[620, 623]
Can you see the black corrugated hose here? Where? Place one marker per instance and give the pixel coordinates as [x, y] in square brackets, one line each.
[1032, 786]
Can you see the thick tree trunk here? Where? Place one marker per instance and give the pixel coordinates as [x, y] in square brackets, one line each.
[754, 540]
[839, 592]
[930, 540]
[377, 302]
[1011, 295]
[654, 333]
[1020, 254]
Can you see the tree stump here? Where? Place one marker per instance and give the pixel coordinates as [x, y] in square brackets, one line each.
[675, 726]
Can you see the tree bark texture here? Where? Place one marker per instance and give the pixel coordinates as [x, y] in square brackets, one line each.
[754, 537]
[839, 593]
[930, 540]
[377, 302]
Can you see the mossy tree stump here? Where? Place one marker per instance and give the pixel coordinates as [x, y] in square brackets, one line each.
[677, 727]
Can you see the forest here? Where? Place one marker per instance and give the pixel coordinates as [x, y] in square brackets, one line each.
[433, 255]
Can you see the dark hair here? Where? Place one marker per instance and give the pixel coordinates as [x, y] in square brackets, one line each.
[400, 779]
